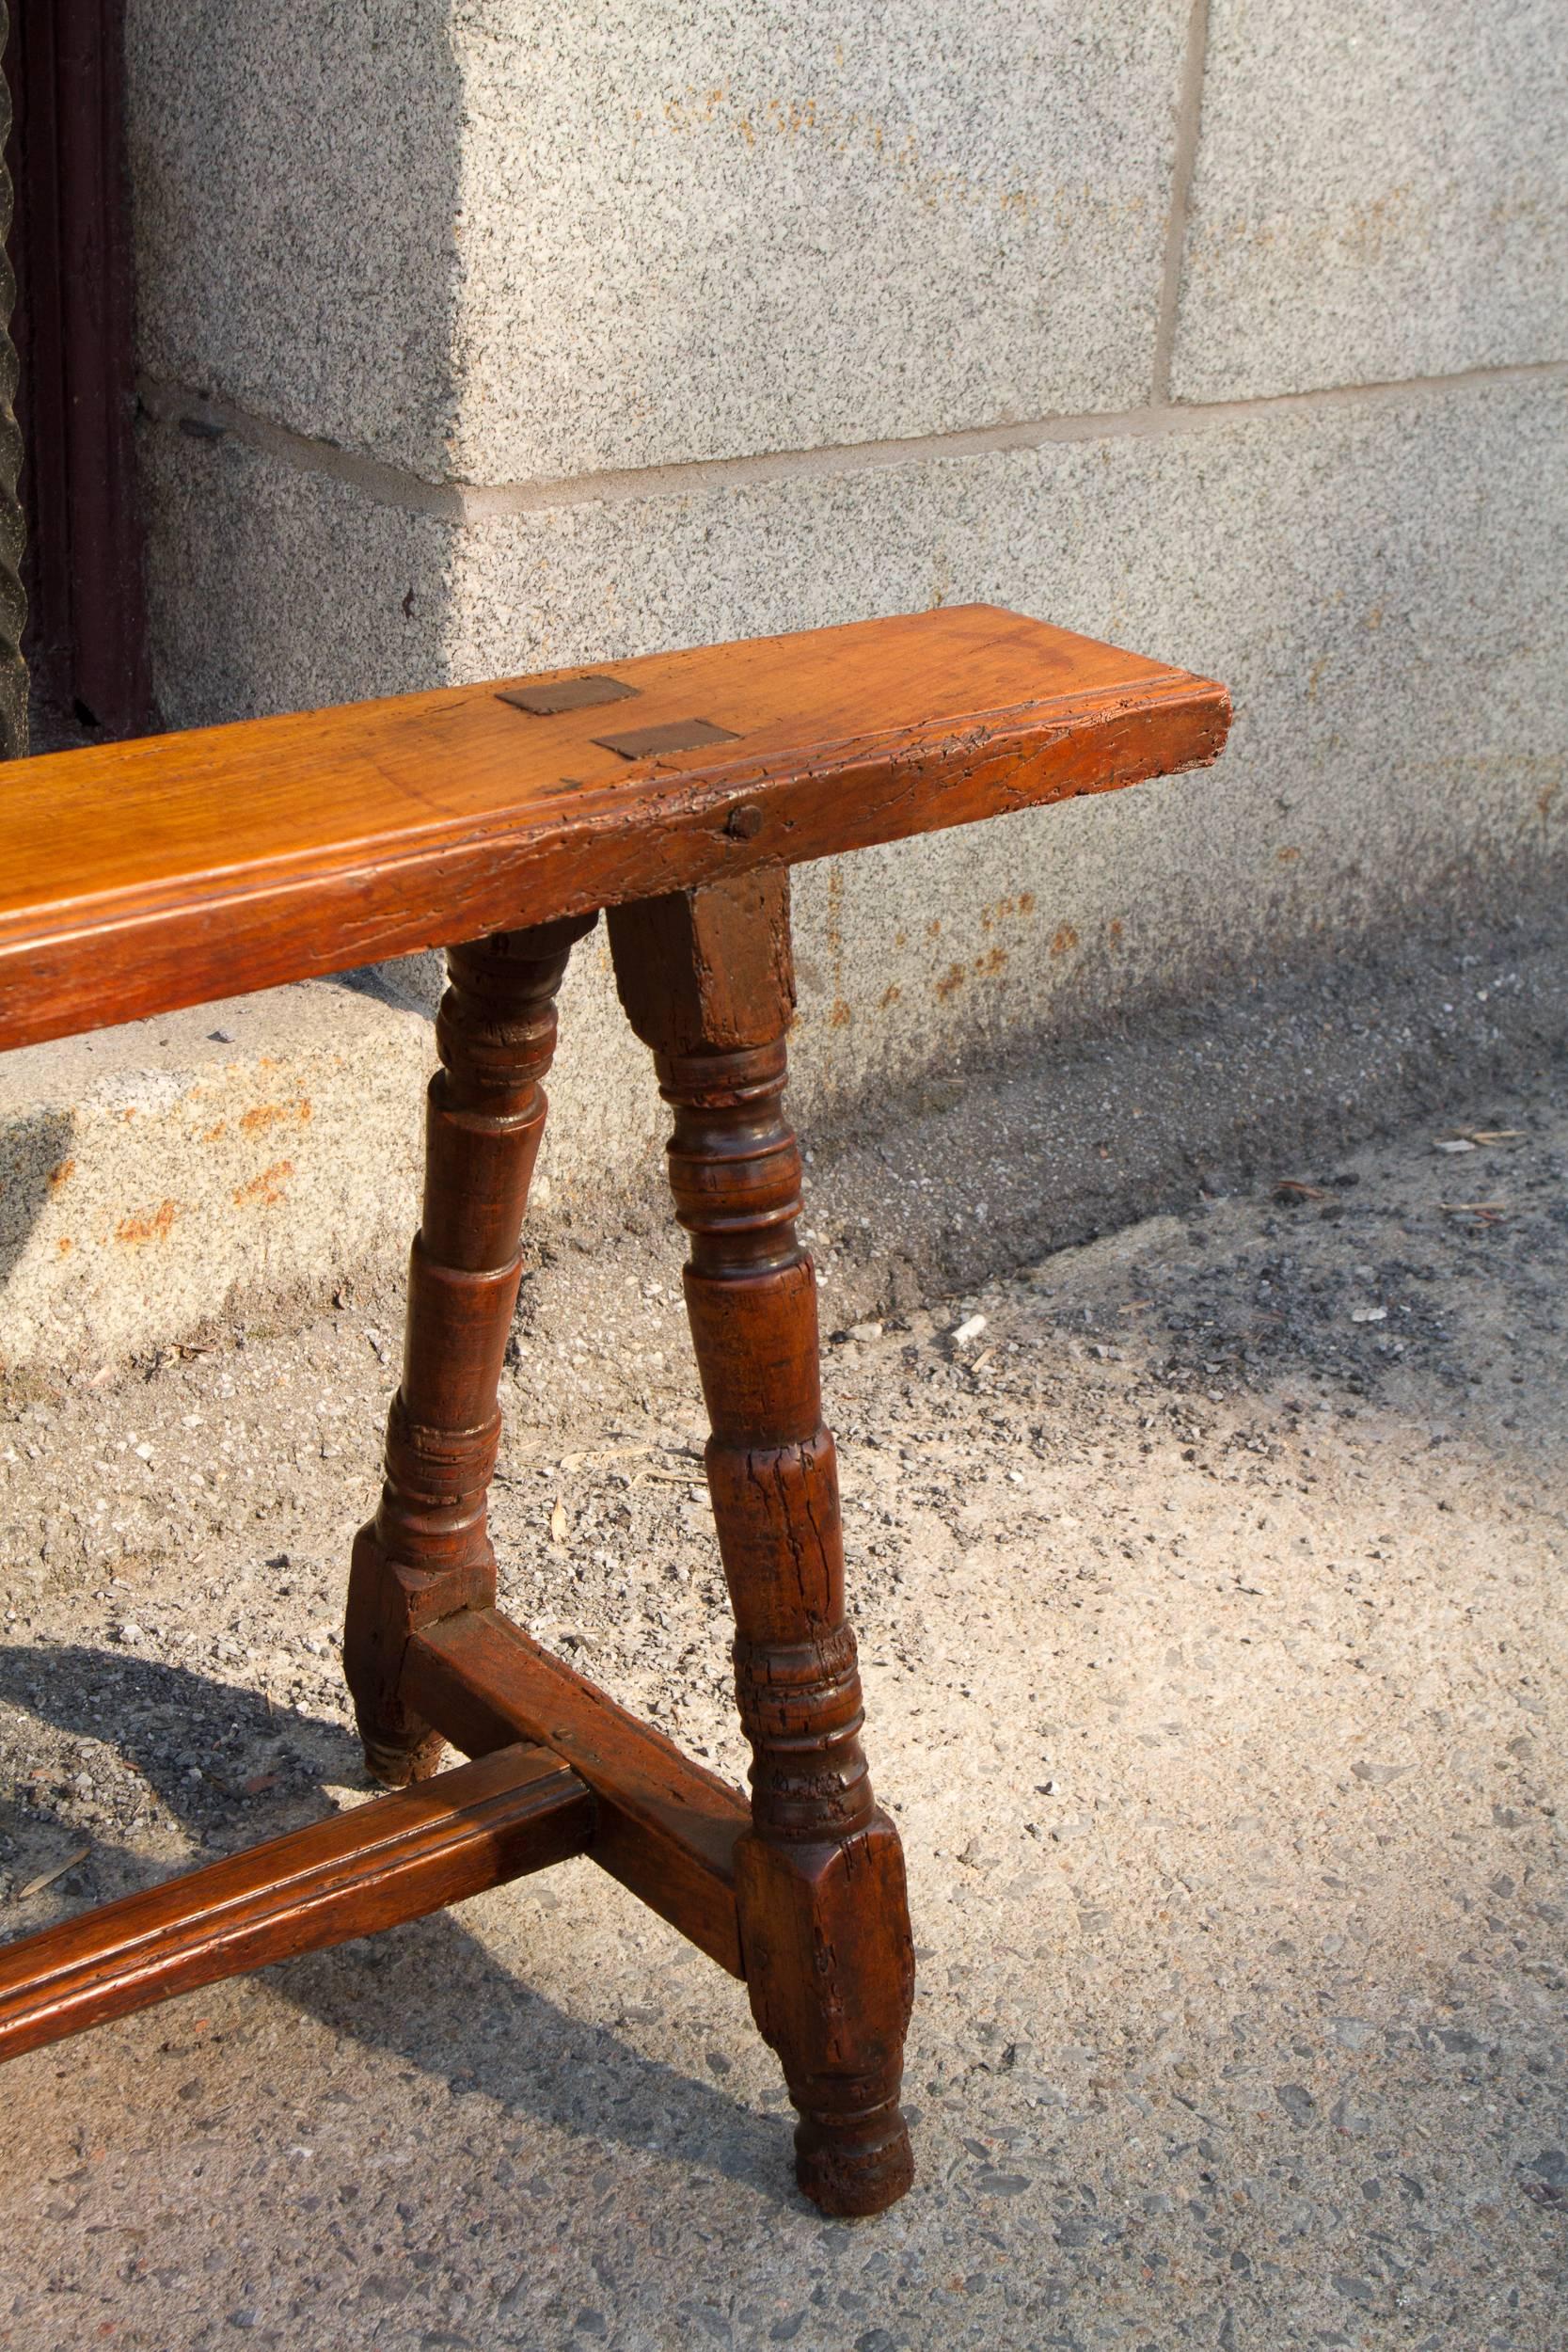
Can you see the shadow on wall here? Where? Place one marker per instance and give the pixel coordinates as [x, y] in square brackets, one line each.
[33, 1150]
[320, 299]
[486, 2029]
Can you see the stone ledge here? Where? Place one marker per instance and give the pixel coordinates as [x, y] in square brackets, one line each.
[151, 1175]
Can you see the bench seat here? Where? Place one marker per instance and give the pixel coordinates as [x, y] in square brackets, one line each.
[143, 876]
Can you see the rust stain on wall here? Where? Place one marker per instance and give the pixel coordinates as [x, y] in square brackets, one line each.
[266, 1190]
[151, 1227]
[1002, 908]
[268, 1113]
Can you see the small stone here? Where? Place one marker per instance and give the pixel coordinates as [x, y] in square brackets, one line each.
[1378, 1775]
[1297, 2102]
[1354, 2290]
[864, 1332]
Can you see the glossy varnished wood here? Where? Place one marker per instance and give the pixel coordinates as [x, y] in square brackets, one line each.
[706, 980]
[146, 875]
[427, 1551]
[393, 1859]
[666, 1827]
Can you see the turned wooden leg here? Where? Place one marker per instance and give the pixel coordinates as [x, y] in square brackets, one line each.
[427, 1551]
[706, 979]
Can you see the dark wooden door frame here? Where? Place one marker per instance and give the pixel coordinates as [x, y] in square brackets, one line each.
[13, 602]
[74, 330]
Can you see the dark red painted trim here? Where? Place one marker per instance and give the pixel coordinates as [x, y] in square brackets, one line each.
[74, 330]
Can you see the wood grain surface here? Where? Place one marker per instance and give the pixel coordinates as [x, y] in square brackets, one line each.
[707, 980]
[147, 875]
[667, 1827]
[396, 1858]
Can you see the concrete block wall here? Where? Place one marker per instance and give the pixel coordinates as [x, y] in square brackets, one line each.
[479, 336]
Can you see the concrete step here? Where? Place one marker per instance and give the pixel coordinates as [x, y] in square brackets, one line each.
[155, 1176]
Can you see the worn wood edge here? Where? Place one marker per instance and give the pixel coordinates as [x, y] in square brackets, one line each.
[169, 952]
[212, 744]
[666, 1827]
[396, 1858]
[621, 802]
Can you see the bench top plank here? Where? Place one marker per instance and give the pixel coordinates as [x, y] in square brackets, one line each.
[147, 875]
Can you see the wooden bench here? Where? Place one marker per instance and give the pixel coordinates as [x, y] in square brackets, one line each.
[673, 794]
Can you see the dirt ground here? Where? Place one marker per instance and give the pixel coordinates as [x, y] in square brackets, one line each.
[1209, 1594]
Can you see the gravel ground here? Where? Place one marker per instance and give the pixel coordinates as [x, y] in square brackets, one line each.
[1208, 1600]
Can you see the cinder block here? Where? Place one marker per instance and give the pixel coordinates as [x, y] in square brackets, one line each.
[1378, 194]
